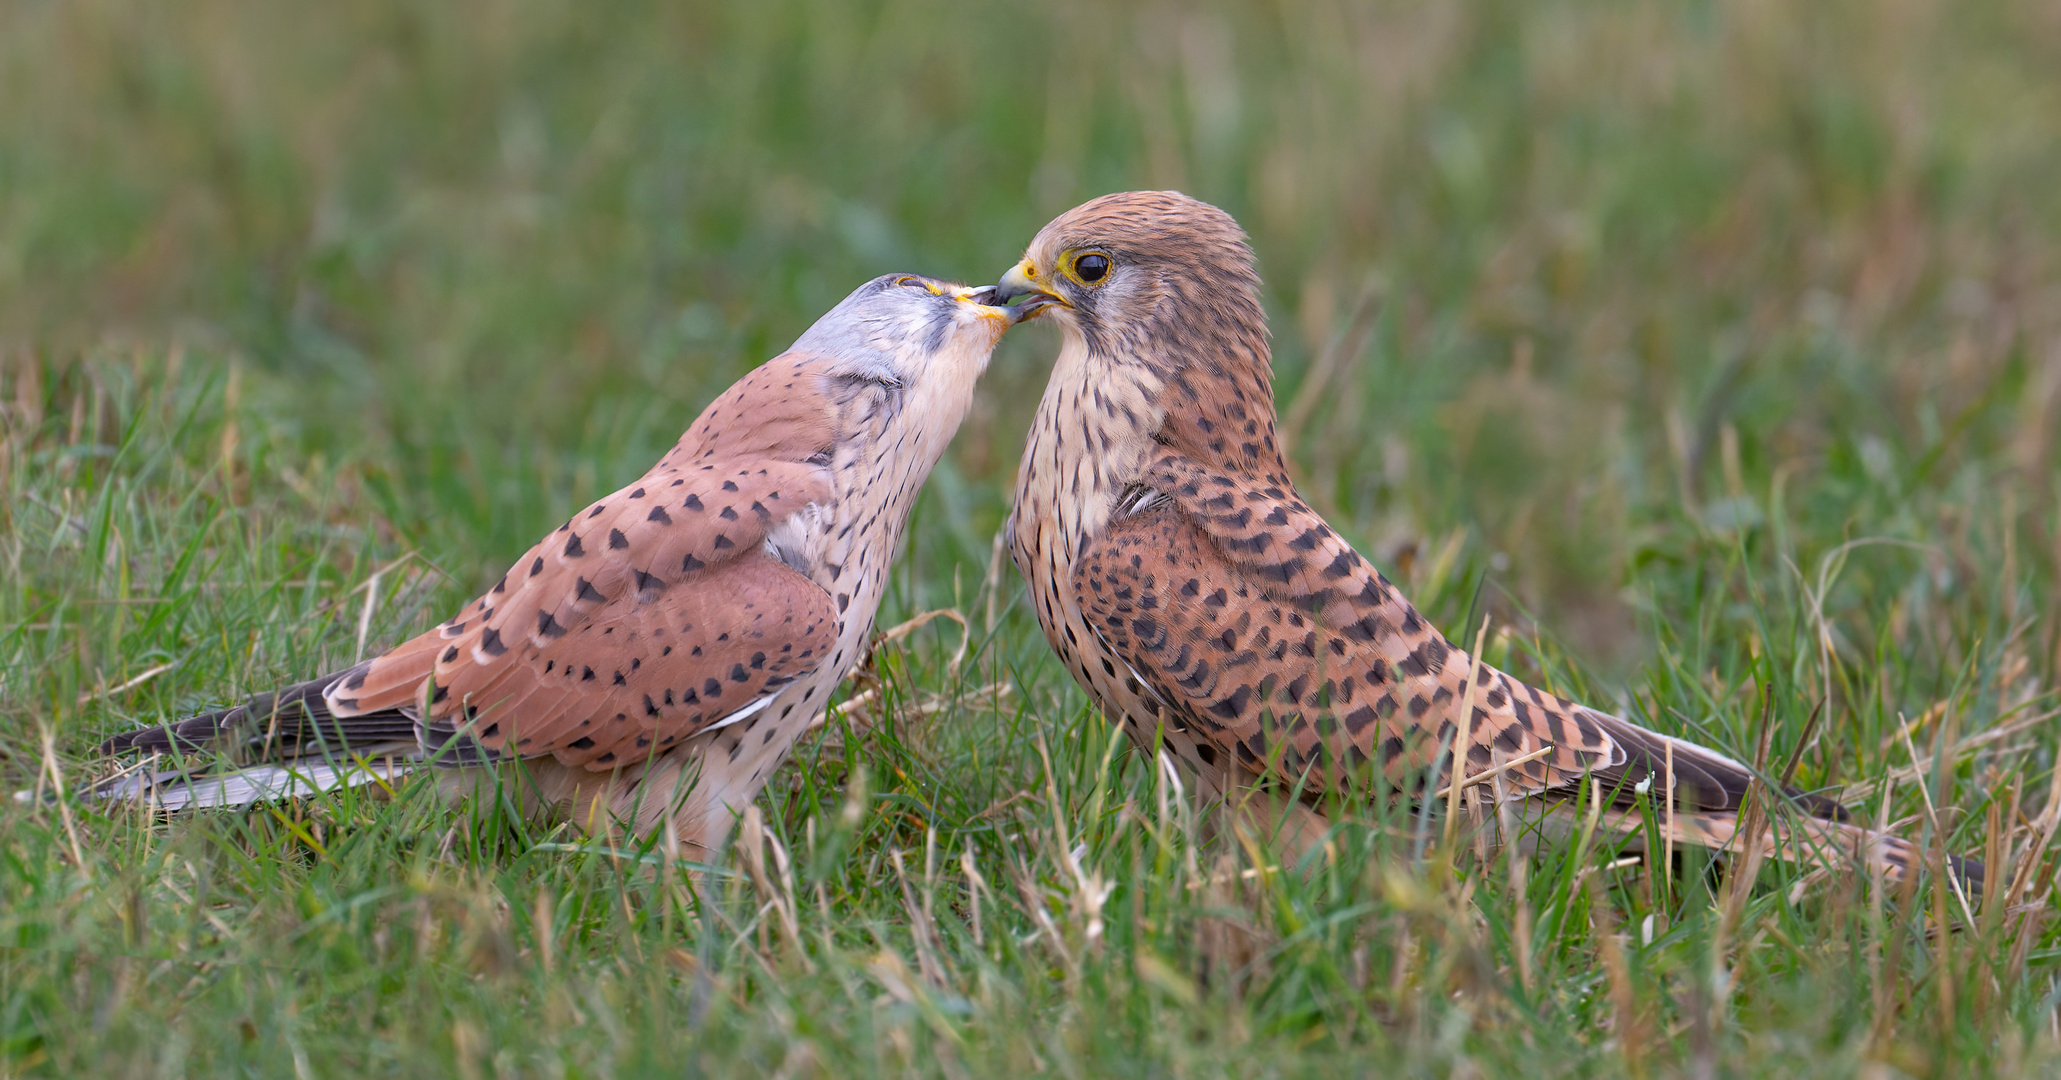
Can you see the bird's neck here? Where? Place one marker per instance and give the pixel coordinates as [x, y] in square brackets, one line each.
[1092, 437]
[1221, 415]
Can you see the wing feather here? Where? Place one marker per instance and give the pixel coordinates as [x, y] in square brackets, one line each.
[1294, 655]
[645, 617]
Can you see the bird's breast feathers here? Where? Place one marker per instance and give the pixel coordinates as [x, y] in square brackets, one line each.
[1088, 445]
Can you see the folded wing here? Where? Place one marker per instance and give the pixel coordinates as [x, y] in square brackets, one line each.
[1263, 629]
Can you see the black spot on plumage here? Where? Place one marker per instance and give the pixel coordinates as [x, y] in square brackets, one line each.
[450, 654]
[584, 742]
[616, 540]
[1281, 571]
[537, 567]
[490, 642]
[548, 626]
[722, 542]
[648, 582]
[693, 503]
[1230, 708]
[690, 564]
[573, 550]
[585, 591]
[586, 673]
[729, 485]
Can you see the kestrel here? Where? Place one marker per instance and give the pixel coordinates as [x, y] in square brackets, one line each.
[653, 659]
[1202, 603]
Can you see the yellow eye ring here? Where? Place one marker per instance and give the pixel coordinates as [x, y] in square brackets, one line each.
[1088, 268]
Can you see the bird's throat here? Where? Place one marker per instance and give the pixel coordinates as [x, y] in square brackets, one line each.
[1092, 438]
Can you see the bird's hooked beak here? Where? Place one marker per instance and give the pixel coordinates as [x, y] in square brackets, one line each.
[990, 296]
[1018, 291]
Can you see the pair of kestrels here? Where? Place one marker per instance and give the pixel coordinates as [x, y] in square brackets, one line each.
[651, 661]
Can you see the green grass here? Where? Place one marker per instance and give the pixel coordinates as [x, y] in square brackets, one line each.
[1712, 351]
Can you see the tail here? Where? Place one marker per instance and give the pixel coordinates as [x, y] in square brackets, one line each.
[1710, 793]
[1819, 844]
[285, 744]
[1811, 842]
[173, 790]
[283, 723]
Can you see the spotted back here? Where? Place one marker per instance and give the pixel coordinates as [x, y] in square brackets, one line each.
[651, 614]
[1263, 628]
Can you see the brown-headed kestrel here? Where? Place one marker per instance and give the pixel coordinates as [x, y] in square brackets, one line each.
[1202, 603]
[653, 659]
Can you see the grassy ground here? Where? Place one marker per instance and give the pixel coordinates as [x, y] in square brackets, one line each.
[1712, 350]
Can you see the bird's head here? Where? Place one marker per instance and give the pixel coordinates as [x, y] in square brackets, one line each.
[903, 351]
[1161, 287]
[1146, 276]
[903, 330]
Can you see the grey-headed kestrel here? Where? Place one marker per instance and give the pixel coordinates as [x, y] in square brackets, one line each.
[653, 659]
[1202, 603]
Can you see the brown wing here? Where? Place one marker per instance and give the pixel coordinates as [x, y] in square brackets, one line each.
[1243, 610]
[658, 590]
[641, 673]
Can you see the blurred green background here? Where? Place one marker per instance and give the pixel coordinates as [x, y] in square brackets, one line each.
[491, 256]
[1716, 347]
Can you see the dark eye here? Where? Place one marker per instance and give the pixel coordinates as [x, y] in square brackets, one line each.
[1091, 267]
